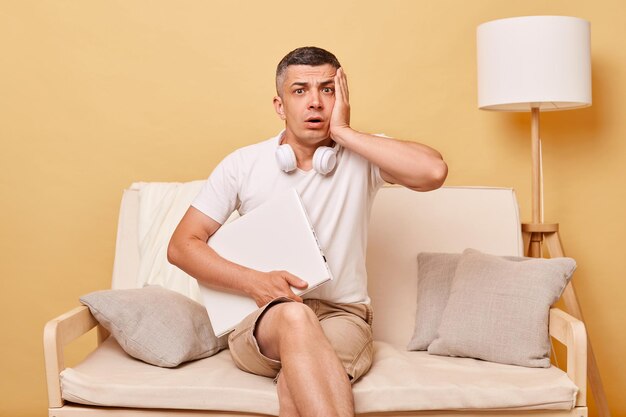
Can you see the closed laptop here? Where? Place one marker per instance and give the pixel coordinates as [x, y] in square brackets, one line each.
[277, 235]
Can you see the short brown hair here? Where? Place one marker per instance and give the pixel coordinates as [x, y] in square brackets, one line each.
[307, 55]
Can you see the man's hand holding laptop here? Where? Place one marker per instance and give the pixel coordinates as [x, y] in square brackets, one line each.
[274, 284]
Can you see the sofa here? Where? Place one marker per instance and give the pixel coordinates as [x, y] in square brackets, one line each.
[404, 224]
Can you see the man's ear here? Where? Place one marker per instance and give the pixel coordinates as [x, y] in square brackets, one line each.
[278, 106]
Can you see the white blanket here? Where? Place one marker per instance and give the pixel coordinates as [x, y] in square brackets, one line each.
[161, 206]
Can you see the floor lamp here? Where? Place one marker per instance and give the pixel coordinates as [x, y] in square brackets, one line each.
[534, 64]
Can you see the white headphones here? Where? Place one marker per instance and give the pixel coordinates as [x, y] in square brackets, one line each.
[324, 159]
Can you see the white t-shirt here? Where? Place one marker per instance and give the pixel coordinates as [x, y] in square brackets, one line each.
[338, 205]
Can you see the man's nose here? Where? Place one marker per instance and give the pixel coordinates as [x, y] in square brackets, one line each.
[315, 101]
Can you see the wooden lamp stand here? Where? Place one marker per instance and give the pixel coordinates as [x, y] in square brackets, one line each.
[537, 233]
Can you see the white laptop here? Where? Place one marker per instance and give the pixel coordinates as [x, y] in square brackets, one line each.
[277, 235]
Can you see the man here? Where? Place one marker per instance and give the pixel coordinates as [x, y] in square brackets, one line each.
[317, 347]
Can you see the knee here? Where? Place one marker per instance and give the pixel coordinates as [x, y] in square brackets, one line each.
[295, 318]
[285, 322]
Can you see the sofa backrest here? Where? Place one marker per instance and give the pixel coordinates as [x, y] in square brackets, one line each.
[403, 224]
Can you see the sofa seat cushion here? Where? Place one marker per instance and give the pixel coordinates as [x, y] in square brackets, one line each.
[398, 381]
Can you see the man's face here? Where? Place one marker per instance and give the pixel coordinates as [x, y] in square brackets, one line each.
[307, 97]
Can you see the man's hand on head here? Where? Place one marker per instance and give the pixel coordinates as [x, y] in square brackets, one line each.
[274, 284]
[340, 117]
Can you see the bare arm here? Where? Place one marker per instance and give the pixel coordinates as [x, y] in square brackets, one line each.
[189, 251]
[410, 164]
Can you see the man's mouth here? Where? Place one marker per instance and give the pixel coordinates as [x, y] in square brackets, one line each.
[314, 120]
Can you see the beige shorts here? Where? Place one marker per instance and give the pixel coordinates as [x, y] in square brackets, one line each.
[348, 328]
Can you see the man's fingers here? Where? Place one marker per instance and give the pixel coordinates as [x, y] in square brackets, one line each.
[338, 85]
[344, 85]
[295, 281]
[341, 109]
[295, 298]
[341, 85]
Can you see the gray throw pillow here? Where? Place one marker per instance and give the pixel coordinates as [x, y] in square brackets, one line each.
[498, 309]
[435, 272]
[434, 279]
[156, 325]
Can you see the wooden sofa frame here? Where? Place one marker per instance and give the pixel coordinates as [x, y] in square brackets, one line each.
[63, 330]
[66, 328]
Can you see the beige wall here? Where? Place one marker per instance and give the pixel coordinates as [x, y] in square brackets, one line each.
[97, 94]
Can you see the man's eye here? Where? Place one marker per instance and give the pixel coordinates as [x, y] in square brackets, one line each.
[299, 91]
[328, 90]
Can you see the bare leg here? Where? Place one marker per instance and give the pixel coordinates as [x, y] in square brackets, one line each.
[287, 406]
[317, 382]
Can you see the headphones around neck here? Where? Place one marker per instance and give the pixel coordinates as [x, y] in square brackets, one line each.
[324, 159]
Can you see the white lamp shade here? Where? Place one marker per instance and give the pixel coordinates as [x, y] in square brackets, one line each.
[534, 61]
